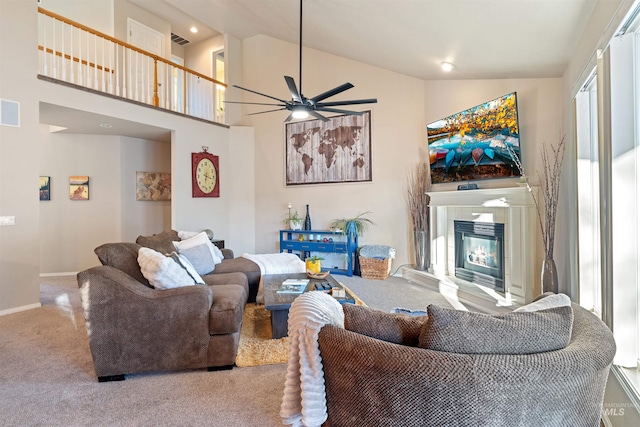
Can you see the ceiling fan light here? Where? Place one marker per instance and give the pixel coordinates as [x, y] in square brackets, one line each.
[299, 113]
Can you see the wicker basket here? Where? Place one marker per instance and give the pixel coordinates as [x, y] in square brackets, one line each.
[375, 268]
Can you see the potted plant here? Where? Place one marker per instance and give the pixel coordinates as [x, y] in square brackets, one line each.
[313, 264]
[357, 225]
[294, 221]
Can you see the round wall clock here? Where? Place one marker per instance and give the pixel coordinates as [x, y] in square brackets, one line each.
[205, 181]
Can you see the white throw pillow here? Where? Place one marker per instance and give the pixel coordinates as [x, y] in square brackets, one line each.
[550, 301]
[184, 235]
[200, 252]
[161, 271]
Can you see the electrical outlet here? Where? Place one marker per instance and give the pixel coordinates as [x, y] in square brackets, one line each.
[7, 220]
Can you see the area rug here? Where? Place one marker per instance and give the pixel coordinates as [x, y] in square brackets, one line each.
[256, 346]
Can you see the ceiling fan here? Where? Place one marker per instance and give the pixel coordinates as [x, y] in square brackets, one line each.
[300, 106]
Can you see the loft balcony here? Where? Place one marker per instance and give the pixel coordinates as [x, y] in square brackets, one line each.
[81, 57]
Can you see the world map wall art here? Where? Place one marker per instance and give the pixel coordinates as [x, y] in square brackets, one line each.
[338, 150]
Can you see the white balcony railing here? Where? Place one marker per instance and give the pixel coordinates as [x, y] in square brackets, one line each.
[73, 53]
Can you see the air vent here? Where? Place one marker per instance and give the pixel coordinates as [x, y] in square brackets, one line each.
[179, 40]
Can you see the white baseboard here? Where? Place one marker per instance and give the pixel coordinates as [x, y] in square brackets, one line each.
[19, 309]
[68, 273]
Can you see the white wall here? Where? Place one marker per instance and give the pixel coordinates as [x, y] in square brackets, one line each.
[198, 56]
[405, 105]
[397, 123]
[140, 217]
[97, 14]
[539, 119]
[70, 229]
[19, 158]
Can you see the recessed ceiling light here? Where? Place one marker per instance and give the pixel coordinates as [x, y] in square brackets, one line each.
[105, 125]
[447, 66]
[194, 30]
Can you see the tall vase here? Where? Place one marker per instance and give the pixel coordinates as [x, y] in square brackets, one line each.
[423, 249]
[549, 276]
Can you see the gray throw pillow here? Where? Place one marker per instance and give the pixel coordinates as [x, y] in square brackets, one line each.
[467, 332]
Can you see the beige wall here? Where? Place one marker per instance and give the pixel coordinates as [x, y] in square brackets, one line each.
[198, 56]
[397, 123]
[19, 158]
[607, 16]
[97, 14]
[405, 105]
[142, 217]
[71, 229]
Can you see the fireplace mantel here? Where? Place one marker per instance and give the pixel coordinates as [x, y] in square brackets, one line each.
[492, 198]
[515, 208]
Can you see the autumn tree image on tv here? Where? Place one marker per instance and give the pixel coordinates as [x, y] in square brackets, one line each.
[478, 143]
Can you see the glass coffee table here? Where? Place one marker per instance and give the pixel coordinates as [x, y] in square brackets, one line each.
[279, 304]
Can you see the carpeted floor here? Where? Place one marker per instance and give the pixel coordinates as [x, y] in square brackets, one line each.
[47, 376]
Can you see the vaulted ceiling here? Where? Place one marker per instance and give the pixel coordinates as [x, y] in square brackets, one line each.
[492, 39]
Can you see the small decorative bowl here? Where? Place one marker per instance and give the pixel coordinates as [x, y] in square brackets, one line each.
[312, 275]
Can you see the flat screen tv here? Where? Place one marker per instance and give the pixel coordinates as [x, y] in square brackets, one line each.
[477, 143]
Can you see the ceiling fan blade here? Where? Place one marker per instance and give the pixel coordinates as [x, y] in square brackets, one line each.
[332, 92]
[295, 95]
[261, 94]
[352, 102]
[268, 111]
[251, 103]
[335, 110]
[318, 116]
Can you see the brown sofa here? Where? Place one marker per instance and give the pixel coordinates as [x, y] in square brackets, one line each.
[376, 373]
[162, 243]
[134, 328]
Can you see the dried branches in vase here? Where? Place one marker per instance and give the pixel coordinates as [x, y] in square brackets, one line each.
[550, 190]
[418, 184]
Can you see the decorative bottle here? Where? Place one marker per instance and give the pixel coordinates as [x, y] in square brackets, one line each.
[307, 226]
[307, 220]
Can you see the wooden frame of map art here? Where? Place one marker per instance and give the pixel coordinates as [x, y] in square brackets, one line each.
[338, 150]
[153, 186]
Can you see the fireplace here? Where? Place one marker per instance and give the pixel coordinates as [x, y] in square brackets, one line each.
[479, 253]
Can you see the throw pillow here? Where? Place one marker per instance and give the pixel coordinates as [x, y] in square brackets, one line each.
[200, 252]
[124, 257]
[184, 235]
[547, 301]
[161, 271]
[183, 262]
[511, 333]
[396, 328]
[160, 242]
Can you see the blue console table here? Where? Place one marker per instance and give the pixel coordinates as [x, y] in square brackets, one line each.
[290, 242]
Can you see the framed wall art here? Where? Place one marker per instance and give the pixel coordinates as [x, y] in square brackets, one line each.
[79, 187]
[153, 186]
[45, 188]
[338, 150]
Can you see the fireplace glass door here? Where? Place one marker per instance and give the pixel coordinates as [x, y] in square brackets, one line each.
[479, 253]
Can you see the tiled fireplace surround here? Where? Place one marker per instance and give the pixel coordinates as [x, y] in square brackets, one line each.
[512, 206]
